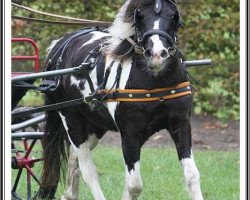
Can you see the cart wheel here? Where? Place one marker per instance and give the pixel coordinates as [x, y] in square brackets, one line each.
[27, 167]
[26, 163]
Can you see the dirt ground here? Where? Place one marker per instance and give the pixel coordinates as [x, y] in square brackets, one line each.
[207, 133]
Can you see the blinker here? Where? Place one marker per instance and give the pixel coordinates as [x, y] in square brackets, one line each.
[158, 6]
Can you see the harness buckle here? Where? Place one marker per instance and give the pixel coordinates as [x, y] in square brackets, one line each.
[161, 99]
[138, 49]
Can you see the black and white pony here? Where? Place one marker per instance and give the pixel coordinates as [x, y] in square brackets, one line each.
[142, 44]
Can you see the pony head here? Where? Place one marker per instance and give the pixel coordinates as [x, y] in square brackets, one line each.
[153, 24]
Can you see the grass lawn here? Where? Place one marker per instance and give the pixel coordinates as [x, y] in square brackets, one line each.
[162, 174]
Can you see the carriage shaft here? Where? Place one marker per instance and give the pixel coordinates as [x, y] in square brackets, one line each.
[73, 70]
[27, 123]
[190, 63]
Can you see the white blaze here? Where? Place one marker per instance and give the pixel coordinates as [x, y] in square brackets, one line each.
[157, 43]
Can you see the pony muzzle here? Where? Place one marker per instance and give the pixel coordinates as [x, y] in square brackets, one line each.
[157, 58]
[162, 54]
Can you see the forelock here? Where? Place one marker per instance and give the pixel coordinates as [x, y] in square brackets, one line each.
[134, 4]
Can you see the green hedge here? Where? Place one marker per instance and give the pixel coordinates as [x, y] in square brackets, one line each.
[211, 31]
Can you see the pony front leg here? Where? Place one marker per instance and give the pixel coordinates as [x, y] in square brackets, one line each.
[181, 134]
[192, 177]
[133, 184]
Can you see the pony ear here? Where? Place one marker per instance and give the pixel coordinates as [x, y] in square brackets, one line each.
[174, 1]
[136, 17]
[158, 6]
[181, 23]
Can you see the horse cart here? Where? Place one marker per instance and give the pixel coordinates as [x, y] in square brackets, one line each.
[26, 160]
[28, 123]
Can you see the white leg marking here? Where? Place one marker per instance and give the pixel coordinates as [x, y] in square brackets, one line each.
[88, 170]
[93, 141]
[133, 187]
[86, 163]
[96, 35]
[72, 187]
[192, 177]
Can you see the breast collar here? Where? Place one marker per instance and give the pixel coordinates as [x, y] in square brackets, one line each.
[141, 95]
[115, 94]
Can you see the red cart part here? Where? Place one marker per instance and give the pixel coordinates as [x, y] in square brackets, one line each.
[24, 163]
[34, 57]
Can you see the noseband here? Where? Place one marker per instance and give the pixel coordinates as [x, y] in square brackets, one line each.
[141, 38]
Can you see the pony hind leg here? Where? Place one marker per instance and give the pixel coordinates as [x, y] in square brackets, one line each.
[54, 152]
[85, 161]
[88, 170]
[72, 187]
[181, 134]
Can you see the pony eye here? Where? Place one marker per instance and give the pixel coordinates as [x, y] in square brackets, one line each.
[176, 16]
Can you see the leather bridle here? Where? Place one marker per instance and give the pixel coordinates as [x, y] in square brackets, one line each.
[140, 37]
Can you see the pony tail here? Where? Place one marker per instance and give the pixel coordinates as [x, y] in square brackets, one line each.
[55, 153]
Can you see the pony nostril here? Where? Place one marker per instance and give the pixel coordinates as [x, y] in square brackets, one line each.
[147, 54]
[164, 53]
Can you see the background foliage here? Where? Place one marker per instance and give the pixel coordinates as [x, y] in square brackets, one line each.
[211, 31]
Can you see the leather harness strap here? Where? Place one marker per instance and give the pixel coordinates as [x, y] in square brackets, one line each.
[140, 95]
